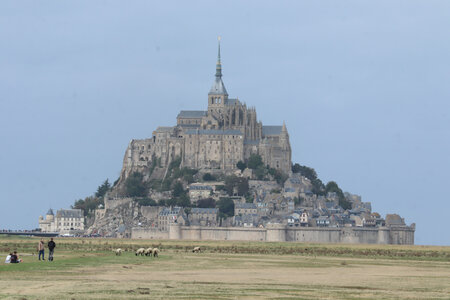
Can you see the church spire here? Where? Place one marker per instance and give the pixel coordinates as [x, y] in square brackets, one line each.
[218, 64]
[218, 87]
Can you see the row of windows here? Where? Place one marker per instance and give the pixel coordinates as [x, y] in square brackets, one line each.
[69, 224]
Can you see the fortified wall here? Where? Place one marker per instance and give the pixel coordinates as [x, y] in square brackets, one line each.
[403, 235]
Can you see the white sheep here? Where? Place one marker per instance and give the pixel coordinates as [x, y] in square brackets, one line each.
[155, 252]
[148, 252]
[140, 251]
[118, 251]
[197, 250]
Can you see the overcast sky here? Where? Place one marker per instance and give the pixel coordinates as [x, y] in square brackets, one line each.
[362, 86]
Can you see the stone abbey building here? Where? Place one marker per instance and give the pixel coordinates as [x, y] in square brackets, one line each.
[217, 138]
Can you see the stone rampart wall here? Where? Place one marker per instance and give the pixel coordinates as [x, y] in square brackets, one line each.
[280, 233]
[141, 233]
[112, 203]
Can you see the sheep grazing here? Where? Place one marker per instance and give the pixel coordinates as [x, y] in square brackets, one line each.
[118, 251]
[197, 250]
[140, 251]
[148, 252]
[155, 252]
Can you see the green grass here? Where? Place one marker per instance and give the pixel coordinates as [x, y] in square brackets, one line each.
[88, 269]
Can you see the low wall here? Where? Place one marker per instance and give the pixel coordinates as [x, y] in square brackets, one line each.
[111, 203]
[279, 233]
[222, 233]
[141, 233]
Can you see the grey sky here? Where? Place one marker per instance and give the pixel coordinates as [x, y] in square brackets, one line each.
[362, 86]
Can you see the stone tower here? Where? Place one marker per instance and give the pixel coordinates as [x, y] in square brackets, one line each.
[217, 96]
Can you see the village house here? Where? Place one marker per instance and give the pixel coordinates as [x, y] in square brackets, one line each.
[65, 221]
[245, 209]
[203, 216]
[170, 215]
[246, 220]
[197, 192]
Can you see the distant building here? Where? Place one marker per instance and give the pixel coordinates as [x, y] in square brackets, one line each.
[65, 221]
[170, 215]
[197, 192]
[203, 216]
[245, 209]
[227, 132]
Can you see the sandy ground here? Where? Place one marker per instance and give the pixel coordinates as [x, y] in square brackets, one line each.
[214, 276]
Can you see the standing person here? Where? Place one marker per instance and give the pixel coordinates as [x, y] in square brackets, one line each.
[51, 247]
[41, 250]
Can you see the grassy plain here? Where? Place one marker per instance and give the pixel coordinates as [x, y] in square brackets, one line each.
[88, 269]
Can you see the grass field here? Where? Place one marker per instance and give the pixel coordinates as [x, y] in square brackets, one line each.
[88, 269]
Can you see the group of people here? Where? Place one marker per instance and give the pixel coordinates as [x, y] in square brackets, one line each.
[51, 248]
[13, 257]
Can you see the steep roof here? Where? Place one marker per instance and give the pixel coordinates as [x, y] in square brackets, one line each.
[191, 114]
[246, 205]
[164, 129]
[272, 130]
[231, 101]
[218, 88]
[69, 213]
[197, 210]
[214, 131]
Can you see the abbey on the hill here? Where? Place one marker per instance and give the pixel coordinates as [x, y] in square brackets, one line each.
[218, 138]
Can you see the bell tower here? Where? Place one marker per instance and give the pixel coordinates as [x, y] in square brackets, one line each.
[217, 95]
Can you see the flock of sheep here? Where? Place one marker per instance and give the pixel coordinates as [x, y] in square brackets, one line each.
[147, 252]
[150, 251]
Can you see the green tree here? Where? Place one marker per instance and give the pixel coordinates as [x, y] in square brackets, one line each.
[278, 175]
[88, 204]
[240, 184]
[146, 202]
[178, 190]
[183, 201]
[260, 172]
[208, 177]
[171, 202]
[226, 207]
[254, 161]
[134, 185]
[332, 187]
[103, 189]
[318, 187]
[241, 165]
[305, 171]
[175, 164]
[206, 203]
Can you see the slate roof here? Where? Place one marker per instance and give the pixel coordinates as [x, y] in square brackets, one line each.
[231, 101]
[247, 218]
[272, 130]
[164, 129]
[218, 88]
[168, 212]
[200, 187]
[246, 205]
[197, 210]
[50, 212]
[189, 126]
[214, 131]
[69, 213]
[251, 142]
[191, 114]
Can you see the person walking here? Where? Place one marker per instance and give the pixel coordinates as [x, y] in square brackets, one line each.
[51, 247]
[41, 249]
